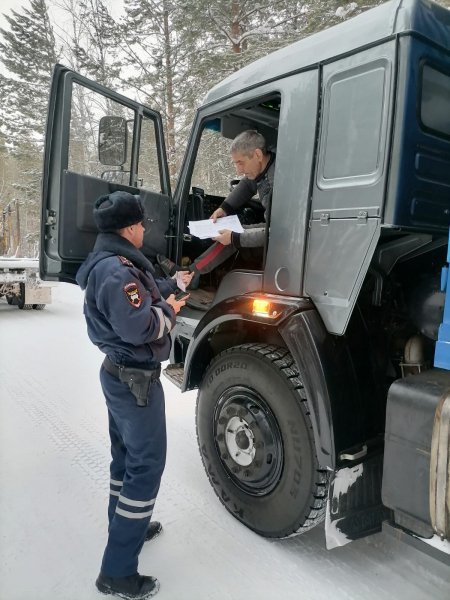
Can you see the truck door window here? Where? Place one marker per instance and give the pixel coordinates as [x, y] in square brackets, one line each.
[435, 101]
[87, 109]
[148, 169]
[213, 168]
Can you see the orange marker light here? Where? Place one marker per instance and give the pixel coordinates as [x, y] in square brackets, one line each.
[261, 307]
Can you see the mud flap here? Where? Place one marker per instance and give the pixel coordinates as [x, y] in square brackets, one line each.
[354, 507]
[36, 294]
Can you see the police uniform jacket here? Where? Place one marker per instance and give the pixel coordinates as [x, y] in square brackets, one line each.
[126, 314]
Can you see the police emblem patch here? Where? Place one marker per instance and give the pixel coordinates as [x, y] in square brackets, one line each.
[132, 293]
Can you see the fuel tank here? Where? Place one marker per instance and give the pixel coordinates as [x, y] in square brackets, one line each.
[416, 482]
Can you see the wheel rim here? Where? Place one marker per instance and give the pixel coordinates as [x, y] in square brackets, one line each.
[248, 440]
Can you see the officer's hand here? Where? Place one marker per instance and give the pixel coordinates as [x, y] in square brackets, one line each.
[224, 237]
[177, 305]
[219, 212]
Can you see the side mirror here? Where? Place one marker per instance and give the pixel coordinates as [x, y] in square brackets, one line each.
[112, 141]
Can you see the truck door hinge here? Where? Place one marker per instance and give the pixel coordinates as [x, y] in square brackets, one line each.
[363, 215]
[324, 218]
[51, 218]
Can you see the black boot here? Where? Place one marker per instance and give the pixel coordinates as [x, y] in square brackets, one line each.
[154, 529]
[167, 266]
[133, 587]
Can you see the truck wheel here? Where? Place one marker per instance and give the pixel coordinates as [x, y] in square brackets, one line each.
[21, 303]
[38, 306]
[256, 441]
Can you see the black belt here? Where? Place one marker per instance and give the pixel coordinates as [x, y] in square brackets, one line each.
[138, 380]
[117, 371]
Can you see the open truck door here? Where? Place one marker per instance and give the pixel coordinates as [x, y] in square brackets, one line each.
[97, 142]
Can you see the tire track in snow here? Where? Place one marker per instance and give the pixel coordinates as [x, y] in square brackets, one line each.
[69, 439]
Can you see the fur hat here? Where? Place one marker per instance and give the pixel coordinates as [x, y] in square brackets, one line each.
[117, 210]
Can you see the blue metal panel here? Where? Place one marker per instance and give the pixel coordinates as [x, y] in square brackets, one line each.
[442, 354]
[419, 187]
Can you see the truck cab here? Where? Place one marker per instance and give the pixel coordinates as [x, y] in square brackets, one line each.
[310, 357]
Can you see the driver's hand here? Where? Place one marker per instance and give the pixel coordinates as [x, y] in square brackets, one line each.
[217, 214]
[185, 277]
[224, 237]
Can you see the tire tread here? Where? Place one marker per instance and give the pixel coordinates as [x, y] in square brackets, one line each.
[284, 361]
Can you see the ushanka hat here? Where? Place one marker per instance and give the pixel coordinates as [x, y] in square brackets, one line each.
[117, 210]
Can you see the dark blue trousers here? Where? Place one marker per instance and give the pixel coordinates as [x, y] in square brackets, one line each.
[138, 450]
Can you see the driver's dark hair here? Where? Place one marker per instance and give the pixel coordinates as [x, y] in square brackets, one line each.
[247, 142]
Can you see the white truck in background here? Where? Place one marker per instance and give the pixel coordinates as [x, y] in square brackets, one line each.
[20, 283]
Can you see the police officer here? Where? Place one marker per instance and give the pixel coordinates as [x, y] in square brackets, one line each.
[129, 320]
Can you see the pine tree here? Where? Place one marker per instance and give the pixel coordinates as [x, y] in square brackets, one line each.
[156, 50]
[28, 53]
[96, 49]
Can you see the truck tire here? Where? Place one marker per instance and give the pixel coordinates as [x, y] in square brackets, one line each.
[256, 441]
[39, 306]
[21, 303]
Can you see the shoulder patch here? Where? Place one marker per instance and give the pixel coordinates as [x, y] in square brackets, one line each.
[132, 293]
[125, 261]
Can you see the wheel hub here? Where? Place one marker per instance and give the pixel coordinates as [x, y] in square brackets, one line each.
[248, 440]
[239, 440]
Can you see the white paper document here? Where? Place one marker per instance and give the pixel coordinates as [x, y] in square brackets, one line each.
[208, 229]
[179, 280]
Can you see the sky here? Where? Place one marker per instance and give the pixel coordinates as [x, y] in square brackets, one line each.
[7, 5]
[54, 478]
[18, 5]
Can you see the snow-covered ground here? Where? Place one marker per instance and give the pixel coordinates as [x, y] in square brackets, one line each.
[54, 458]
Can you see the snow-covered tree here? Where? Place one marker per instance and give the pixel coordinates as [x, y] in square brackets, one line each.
[27, 53]
[156, 51]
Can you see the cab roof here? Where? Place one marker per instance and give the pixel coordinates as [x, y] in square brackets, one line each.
[422, 17]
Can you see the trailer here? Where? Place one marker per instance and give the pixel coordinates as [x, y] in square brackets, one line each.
[20, 284]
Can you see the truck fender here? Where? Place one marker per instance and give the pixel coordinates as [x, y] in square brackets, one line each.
[325, 366]
[323, 362]
[225, 314]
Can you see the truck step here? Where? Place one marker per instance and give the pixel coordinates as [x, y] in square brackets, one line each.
[175, 373]
[200, 299]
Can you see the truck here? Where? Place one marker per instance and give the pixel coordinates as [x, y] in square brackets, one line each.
[19, 277]
[322, 367]
[20, 284]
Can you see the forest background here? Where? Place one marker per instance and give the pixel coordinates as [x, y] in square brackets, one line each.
[163, 53]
